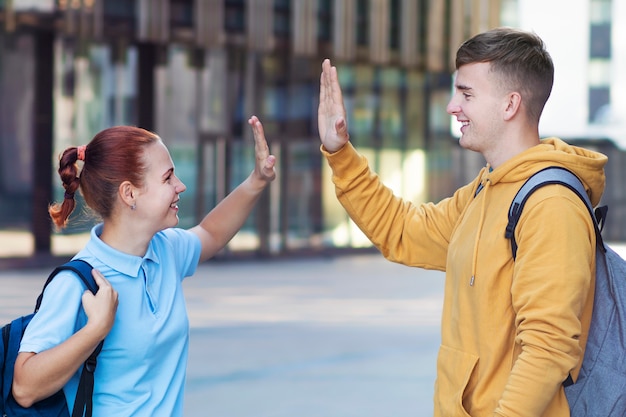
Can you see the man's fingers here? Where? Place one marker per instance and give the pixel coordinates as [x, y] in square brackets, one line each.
[340, 127]
[331, 97]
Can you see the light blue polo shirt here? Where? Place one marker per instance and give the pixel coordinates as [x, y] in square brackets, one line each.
[141, 369]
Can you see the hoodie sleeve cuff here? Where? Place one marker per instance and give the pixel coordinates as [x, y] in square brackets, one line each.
[346, 162]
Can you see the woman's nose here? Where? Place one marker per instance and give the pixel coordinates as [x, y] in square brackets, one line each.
[181, 187]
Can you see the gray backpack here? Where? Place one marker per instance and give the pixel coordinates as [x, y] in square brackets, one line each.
[600, 390]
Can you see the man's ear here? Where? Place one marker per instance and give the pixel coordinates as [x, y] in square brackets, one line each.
[513, 105]
[127, 192]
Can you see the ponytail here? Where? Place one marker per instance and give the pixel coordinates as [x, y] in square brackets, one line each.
[68, 171]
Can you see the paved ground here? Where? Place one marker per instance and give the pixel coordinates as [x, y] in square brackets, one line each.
[339, 337]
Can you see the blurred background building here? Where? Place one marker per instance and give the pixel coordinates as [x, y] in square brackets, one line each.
[193, 71]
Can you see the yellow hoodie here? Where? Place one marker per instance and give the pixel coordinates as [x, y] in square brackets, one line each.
[511, 332]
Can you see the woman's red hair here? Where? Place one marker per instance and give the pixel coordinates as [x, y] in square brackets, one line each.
[113, 156]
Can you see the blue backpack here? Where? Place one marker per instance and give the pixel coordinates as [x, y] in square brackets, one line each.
[12, 333]
[600, 390]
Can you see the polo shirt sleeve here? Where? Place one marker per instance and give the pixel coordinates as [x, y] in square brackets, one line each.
[59, 316]
[187, 248]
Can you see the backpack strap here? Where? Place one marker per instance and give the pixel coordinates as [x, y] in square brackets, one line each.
[552, 175]
[83, 404]
[560, 176]
[80, 268]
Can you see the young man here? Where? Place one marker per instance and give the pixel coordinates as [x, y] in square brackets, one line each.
[512, 331]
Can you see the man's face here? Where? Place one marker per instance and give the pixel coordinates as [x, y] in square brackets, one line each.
[477, 104]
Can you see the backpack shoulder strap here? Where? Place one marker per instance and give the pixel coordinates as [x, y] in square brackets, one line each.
[83, 404]
[551, 175]
[79, 267]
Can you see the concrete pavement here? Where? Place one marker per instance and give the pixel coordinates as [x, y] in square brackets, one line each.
[353, 335]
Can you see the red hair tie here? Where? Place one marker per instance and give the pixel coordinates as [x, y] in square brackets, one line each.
[80, 152]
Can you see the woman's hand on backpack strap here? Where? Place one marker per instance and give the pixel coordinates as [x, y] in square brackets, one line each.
[100, 308]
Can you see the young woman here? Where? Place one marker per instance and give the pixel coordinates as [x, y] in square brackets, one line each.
[140, 259]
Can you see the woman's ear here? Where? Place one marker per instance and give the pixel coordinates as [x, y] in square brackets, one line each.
[127, 192]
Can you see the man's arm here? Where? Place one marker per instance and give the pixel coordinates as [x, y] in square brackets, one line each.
[551, 287]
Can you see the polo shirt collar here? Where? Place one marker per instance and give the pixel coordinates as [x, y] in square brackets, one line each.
[115, 259]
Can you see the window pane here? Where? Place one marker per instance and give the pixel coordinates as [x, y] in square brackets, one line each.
[16, 141]
[234, 16]
[362, 22]
[600, 41]
[119, 9]
[599, 104]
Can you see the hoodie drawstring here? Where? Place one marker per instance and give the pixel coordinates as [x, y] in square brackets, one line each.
[479, 230]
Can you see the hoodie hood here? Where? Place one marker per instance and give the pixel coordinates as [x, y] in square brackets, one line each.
[586, 164]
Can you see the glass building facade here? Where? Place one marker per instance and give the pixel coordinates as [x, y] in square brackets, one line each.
[195, 71]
